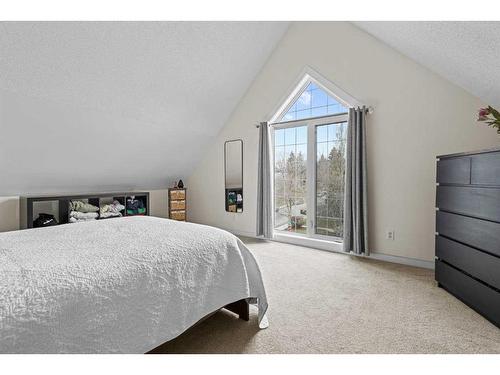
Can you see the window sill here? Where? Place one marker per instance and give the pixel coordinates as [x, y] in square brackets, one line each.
[315, 243]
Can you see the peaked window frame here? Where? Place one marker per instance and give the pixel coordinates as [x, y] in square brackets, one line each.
[307, 76]
[312, 123]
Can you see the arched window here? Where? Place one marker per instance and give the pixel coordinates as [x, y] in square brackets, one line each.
[309, 139]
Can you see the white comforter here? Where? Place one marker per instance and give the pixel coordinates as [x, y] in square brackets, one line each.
[117, 286]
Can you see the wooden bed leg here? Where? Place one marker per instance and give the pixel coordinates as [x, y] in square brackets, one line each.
[241, 308]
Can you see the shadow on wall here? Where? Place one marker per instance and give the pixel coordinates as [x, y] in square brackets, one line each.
[9, 213]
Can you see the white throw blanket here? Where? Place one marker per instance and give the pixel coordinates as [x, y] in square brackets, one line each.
[117, 286]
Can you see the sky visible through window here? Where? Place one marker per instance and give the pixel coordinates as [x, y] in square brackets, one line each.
[313, 102]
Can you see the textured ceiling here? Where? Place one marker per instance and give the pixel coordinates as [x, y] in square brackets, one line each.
[104, 105]
[466, 53]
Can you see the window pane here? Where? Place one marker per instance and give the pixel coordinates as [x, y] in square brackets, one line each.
[303, 114]
[313, 102]
[337, 132]
[290, 116]
[320, 111]
[279, 137]
[301, 135]
[321, 134]
[304, 101]
[279, 153]
[290, 182]
[335, 109]
[302, 151]
[330, 172]
[319, 98]
[290, 136]
[289, 153]
[322, 150]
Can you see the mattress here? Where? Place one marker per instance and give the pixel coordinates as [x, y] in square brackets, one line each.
[122, 285]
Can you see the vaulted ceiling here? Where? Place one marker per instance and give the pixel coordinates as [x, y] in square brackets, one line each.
[466, 53]
[105, 105]
[113, 105]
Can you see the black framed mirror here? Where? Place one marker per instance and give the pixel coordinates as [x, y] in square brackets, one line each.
[233, 175]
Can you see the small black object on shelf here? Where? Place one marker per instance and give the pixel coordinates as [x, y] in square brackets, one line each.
[44, 220]
[180, 185]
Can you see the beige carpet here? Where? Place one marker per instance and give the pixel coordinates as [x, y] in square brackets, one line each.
[322, 302]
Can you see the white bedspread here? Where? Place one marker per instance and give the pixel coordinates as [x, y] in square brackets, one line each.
[117, 286]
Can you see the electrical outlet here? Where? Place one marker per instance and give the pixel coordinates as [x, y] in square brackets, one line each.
[390, 235]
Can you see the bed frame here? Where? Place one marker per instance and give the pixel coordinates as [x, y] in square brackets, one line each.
[240, 308]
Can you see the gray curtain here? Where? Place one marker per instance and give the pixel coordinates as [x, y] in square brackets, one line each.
[264, 191]
[355, 199]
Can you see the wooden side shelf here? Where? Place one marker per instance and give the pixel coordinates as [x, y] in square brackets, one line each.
[177, 204]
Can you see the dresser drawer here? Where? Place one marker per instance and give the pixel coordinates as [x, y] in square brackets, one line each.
[479, 202]
[177, 205]
[482, 234]
[480, 297]
[178, 215]
[485, 169]
[454, 171]
[483, 266]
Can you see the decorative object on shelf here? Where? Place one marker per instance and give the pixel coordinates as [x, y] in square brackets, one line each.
[177, 204]
[180, 184]
[490, 116]
[135, 206]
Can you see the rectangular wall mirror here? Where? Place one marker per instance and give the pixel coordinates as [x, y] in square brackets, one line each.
[233, 171]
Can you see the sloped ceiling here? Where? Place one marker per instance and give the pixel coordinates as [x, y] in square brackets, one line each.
[466, 53]
[114, 105]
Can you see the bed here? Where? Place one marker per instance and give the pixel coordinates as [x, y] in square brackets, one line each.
[119, 286]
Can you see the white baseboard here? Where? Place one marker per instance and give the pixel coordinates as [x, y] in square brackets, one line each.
[327, 246]
[403, 260]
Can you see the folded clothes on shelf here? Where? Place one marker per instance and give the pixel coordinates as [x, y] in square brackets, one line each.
[83, 215]
[111, 210]
[105, 215]
[75, 220]
[81, 206]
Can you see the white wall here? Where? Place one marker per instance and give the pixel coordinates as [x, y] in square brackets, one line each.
[9, 209]
[418, 115]
[9, 213]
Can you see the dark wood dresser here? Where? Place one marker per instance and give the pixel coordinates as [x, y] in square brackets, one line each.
[177, 204]
[468, 229]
